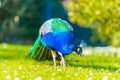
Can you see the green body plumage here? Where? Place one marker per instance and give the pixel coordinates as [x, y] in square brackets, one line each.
[59, 25]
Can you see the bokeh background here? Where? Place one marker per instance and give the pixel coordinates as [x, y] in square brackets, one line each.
[97, 21]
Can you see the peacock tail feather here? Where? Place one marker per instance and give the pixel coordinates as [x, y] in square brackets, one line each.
[39, 51]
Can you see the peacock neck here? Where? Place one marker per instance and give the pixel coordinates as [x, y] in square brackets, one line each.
[67, 49]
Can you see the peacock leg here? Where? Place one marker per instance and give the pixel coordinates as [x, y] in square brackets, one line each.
[62, 62]
[54, 58]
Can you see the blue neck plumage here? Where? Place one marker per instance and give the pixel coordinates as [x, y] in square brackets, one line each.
[67, 49]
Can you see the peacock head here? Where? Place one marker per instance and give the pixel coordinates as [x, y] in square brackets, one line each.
[78, 49]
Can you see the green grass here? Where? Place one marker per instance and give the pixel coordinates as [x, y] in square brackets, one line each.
[15, 66]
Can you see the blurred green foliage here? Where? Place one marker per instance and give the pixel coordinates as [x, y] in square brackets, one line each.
[21, 19]
[102, 16]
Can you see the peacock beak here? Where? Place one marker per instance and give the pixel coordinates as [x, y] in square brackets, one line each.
[80, 55]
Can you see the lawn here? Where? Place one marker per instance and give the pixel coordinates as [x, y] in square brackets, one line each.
[14, 65]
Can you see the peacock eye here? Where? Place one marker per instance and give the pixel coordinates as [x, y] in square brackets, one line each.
[78, 50]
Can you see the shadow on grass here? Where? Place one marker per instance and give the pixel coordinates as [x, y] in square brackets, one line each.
[11, 57]
[97, 67]
[6, 57]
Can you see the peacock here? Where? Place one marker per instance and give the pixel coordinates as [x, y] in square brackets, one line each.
[55, 39]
